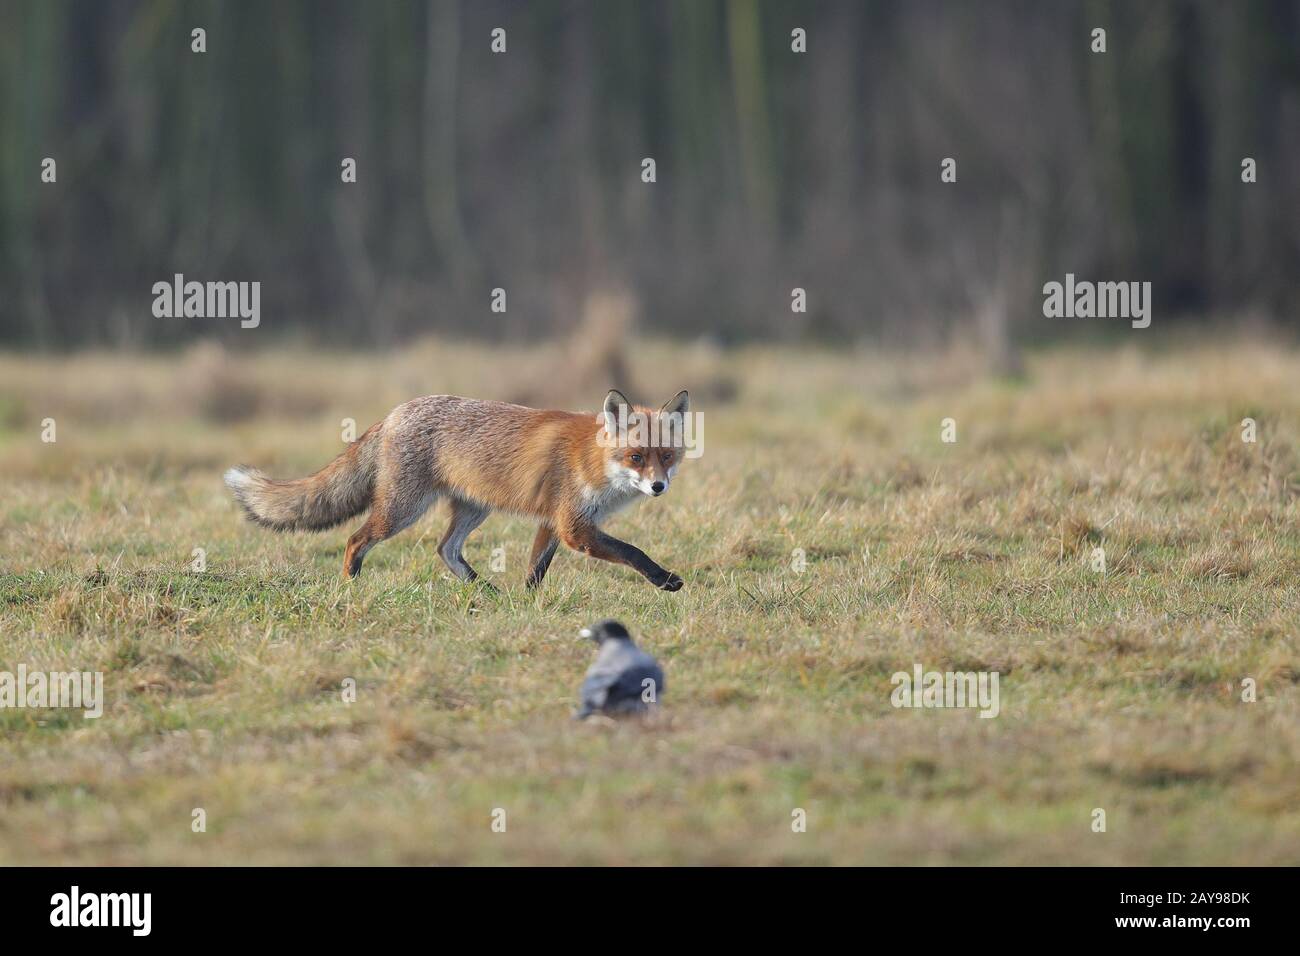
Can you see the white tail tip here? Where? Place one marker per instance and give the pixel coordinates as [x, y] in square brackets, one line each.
[237, 479]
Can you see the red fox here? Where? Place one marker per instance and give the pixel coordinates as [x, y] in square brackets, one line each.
[559, 467]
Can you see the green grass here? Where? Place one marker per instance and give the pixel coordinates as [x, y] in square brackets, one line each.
[1119, 690]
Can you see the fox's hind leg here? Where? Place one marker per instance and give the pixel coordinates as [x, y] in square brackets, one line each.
[465, 517]
[391, 513]
[365, 538]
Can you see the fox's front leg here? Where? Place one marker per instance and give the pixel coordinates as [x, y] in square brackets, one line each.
[544, 546]
[586, 538]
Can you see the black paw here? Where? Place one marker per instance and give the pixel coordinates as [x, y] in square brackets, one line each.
[670, 583]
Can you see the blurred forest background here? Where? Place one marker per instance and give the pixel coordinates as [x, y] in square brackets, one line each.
[523, 170]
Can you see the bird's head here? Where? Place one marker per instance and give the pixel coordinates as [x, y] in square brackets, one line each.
[605, 631]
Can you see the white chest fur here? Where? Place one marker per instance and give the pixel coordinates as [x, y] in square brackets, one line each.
[613, 496]
[603, 502]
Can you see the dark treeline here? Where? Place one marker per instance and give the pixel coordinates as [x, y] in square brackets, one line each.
[523, 170]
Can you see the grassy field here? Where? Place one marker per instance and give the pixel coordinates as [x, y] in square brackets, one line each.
[1120, 690]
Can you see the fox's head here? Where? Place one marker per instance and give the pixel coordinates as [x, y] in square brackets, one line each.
[643, 446]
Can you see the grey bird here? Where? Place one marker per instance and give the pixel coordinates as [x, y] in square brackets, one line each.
[624, 679]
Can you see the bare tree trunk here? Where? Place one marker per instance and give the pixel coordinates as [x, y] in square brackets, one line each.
[441, 187]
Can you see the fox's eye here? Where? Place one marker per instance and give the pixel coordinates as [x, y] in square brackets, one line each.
[637, 459]
[667, 457]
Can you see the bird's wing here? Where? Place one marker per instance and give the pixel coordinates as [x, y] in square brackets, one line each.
[631, 683]
[595, 689]
[646, 666]
[655, 671]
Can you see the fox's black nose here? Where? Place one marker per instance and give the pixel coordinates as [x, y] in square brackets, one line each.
[657, 487]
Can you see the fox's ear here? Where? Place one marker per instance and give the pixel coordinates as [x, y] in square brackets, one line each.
[678, 404]
[613, 401]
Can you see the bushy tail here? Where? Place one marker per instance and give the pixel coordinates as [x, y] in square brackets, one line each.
[337, 492]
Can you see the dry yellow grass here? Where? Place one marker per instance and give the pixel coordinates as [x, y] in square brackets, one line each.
[1120, 690]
